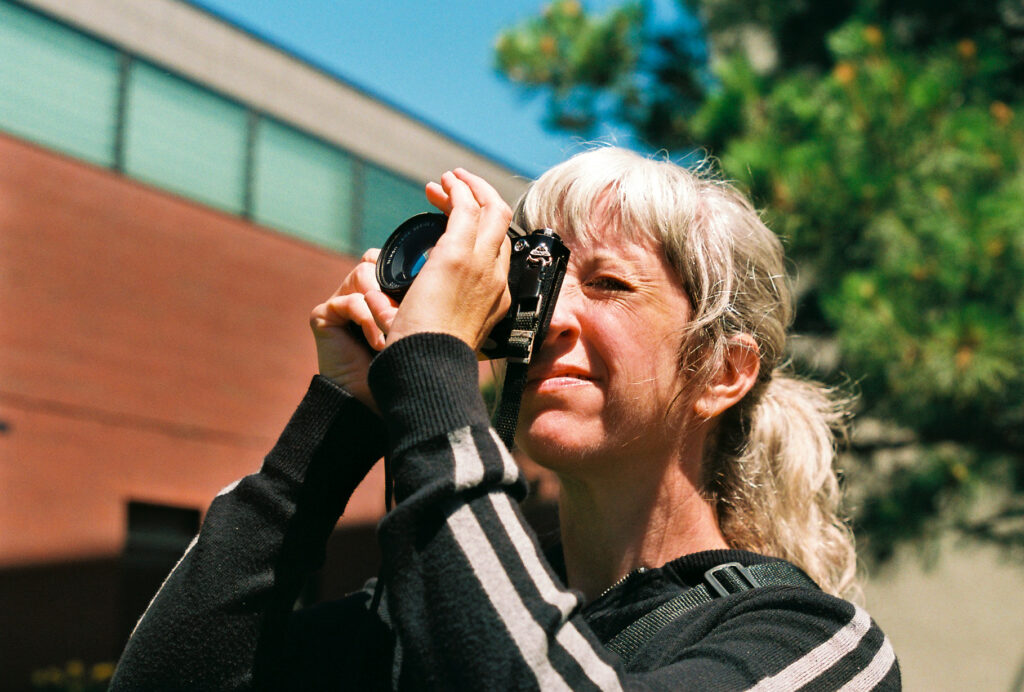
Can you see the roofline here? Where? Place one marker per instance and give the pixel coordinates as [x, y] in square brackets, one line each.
[349, 82]
[221, 54]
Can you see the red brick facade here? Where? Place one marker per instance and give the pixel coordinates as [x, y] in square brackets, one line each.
[150, 349]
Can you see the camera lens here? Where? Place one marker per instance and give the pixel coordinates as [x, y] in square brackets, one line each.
[405, 252]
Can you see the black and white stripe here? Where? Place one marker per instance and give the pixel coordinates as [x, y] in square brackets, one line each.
[494, 577]
[823, 657]
[469, 466]
[505, 561]
[875, 672]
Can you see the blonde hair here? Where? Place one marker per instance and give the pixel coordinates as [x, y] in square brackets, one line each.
[768, 470]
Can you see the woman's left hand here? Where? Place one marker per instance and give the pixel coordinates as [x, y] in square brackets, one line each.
[462, 288]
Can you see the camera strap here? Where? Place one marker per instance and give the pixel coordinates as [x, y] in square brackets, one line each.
[719, 581]
[521, 342]
[538, 290]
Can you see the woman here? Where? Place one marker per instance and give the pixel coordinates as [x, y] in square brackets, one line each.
[655, 397]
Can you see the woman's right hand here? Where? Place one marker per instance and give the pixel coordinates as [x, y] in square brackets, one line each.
[343, 358]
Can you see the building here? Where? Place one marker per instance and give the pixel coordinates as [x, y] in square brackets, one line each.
[175, 196]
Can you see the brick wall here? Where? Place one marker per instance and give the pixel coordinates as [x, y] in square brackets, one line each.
[150, 349]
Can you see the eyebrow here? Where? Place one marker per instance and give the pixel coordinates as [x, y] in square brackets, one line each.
[607, 257]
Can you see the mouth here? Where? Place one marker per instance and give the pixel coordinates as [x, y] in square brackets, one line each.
[563, 377]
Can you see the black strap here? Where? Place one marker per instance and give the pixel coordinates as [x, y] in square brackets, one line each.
[507, 416]
[520, 343]
[539, 286]
[721, 580]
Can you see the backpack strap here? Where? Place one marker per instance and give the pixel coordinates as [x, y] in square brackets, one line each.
[721, 580]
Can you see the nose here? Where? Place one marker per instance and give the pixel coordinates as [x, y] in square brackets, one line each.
[565, 318]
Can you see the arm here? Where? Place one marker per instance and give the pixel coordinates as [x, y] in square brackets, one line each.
[218, 621]
[474, 605]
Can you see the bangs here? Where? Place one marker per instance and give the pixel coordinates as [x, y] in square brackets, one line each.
[707, 230]
[605, 191]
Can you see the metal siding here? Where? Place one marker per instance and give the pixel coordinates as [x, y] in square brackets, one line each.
[303, 186]
[185, 139]
[57, 87]
[387, 201]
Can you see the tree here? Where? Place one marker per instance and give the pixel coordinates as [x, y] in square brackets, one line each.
[883, 140]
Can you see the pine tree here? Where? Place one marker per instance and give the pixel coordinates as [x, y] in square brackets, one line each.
[884, 141]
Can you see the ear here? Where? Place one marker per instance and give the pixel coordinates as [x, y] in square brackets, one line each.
[736, 376]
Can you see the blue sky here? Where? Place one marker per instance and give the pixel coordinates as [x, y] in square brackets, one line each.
[432, 60]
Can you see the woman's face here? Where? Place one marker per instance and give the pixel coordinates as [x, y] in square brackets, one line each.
[602, 387]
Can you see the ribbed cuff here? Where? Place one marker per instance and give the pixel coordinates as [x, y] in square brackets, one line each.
[325, 422]
[426, 385]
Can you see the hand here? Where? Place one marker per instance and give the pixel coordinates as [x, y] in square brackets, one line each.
[462, 288]
[342, 356]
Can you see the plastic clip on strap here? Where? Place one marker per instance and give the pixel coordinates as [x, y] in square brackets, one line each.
[721, 580]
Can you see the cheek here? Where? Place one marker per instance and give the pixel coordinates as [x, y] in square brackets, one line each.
[649, 361]
[652, 391]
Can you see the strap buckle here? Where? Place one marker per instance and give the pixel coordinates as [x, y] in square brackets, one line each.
[731, 583]
[521, 342]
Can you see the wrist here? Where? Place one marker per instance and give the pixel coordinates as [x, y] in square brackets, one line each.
[427, 384]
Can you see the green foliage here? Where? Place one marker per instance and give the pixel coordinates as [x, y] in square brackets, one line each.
[583, 59]
[573, 54]
[890, 157]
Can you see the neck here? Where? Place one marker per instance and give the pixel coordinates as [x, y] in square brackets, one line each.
[612, 526]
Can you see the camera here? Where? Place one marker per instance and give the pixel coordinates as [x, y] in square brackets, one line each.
[536, 269]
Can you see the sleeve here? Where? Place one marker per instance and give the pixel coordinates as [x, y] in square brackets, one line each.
[772, 638]
[473, 603]
[219, 620]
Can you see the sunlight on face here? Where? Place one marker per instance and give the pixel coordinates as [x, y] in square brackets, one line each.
[602, 387]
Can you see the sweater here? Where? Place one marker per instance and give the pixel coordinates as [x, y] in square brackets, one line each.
[469, 601]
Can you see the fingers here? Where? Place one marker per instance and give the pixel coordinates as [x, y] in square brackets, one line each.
[383, 308]
[349, 307]
[341, 312]
[502, 265]
[477, 213]
[439, 198]
[495, 214]
[363, 277]
[462, 289]
[504, 255]
[463, 219]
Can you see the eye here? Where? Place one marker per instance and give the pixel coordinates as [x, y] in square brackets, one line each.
[609, 283]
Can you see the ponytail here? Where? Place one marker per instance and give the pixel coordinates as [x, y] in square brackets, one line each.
[771, 479]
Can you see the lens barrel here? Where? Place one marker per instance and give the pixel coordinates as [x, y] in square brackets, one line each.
[406, 250]
[536, 268]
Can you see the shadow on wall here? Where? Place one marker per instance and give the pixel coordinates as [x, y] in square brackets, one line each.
[69, 621]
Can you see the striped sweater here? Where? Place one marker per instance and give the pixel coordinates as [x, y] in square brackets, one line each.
[469, 600]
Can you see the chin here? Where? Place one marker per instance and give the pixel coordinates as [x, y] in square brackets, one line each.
[557, 441]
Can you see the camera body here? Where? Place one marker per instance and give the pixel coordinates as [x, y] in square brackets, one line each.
[536, 269]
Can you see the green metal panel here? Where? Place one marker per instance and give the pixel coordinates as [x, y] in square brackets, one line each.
[387, 201]
[184, 138]
[57, 87]
[302, 185]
